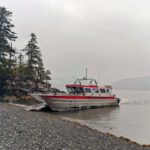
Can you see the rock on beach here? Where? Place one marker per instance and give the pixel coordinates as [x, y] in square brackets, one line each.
[24, 130]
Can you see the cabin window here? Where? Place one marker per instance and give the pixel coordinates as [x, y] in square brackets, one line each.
[70, 90]
[95, 90]
[102, 90]
[78, 90]
[87, 90]
[75, 90]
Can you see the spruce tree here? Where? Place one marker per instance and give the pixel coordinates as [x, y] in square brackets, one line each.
[6, 37]
[7, 52]
[34, 67]
[32, 52]
[47, 76]
[21, 65]
[40, 68]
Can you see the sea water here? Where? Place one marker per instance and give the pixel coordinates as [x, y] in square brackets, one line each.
[130, 120]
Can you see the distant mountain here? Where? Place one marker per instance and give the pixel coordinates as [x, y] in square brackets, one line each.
[140, 83]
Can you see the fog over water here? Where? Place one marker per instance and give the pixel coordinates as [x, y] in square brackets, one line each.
[110, 38]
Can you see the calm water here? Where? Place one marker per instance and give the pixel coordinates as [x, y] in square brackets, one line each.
[131, 119]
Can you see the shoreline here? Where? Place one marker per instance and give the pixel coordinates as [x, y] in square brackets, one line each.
[49, 131]
[107, 133]
[30, 108]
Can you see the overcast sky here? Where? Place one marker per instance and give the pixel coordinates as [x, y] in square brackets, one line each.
[109, 37]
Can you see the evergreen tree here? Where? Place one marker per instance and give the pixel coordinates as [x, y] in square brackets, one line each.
[10, 72]
[6, 37]
[35, 67]
[47, 76]
[12, 61]
[21, 65]
[7, 52]
[40, 68]
[20, 59]
[32, 52]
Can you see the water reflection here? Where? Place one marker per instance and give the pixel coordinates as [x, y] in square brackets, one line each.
[94, 114]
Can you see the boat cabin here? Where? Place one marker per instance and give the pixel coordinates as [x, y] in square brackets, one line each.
[106, 89]
[88, 89]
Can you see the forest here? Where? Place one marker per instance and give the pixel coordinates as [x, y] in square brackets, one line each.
[21, 70]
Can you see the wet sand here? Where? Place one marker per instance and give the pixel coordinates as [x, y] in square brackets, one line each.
[24, 130]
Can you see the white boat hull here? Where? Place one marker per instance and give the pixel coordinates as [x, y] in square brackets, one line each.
[77, 104]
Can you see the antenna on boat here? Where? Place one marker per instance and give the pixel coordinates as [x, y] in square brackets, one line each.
[84, 78]
[86, 73]
[98, 77]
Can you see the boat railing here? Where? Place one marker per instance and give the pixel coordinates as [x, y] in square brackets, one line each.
[91, 81]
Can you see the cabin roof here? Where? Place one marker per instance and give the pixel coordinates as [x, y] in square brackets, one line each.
[83, 86]
[105, 87]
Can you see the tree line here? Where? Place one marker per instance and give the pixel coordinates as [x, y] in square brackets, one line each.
[20, 70]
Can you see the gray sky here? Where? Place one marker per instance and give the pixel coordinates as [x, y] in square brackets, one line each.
[109, 37]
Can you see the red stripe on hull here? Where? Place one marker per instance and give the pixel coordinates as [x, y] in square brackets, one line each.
[67, 97]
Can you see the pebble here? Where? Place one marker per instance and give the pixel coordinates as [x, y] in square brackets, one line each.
[24, 130]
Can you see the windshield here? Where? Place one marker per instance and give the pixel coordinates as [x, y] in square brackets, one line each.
[95, 90]
[87, 90]
[75, 90]
[102, 91]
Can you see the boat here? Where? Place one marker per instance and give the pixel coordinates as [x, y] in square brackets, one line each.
[81, 95]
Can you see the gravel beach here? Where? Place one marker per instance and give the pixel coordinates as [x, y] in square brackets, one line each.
[26, 130]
